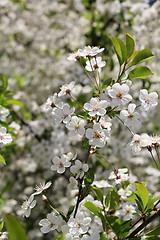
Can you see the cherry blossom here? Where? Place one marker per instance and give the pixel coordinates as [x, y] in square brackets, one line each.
[66, 89]
[126, 211]
[119, 94]
[139, 141]
[63, 114]
[79, 169]
[125, 192]
[5, 138]
[89, 51]
[60, 164]
[51, 103]
[119, 175]
[4, 112]
[28, 205]
[75, 56]
[4, 235]
[95, 64]
[97, 135]
[41, 188]
[96, 107]
[130, 117]
[50, 223]
[79, 224]
[76, 126]
[148, 100]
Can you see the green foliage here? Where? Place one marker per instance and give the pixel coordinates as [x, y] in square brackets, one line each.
[103, 236]
[142, 194]
[106, 83]
[140, 72]
[120, 49]
[130, 45]
[89, 177]
[141, 56]
[153, 233]
[60, 237]
[119, 227]
[70, 211]
[112, 200]
[1, 225]
[2, 160]
[98, 193]
[15, 228]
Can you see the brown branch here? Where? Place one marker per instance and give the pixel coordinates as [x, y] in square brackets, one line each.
[144, 224]
[25, 123]
[79, 199]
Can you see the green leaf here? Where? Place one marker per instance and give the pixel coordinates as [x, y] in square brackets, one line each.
[130, 44]
[120, 49]
[101, 161]
[89, 177]
[90, 206]
[2, 160]
[99, 193]
[141, 56]
[60, 237]
[14, 227]
[70, 210]
[140, 72]
[154, 232]
[14, 102]
[114, 222]
[1, 225]
[103, 236]
[85, 143]
[142, 193]
[4, 85]
[112, 199]
[106, 83]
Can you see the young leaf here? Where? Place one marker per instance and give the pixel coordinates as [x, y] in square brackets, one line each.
[14, 227]
[142, 193]
[112, 199]
[140, 72]
[103, 236]
[106, 83]
[120, 49]
[1, 225]
[90, 206]
[60, 237]
[98, 193]
[141, 56]
[2, 160]
[130, 44]
[114, 223]
[154, 232]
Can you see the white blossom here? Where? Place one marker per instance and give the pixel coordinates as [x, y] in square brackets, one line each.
[63, 114]
[73, 183]
[79, 224]
[130, 117]
[75, 56]
[96, 107]
[4, 112]
[126, 212]
[76, 126]
[97, 136]
[4, 235]
[51, 104]
[66, 89]
[119, 175]
[89, 51]
[50, 223]
[139, 141]
[119, 94]
[60, 164]
[79, 168]
[125, 192]
[42, 187]
[148, 100]
[95, 64]
[5, 138]
[28, 205]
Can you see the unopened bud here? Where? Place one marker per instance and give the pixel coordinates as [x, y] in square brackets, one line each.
[44, 198]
